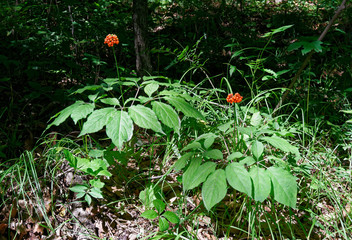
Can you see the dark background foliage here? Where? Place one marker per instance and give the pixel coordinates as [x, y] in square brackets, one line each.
[49, 48]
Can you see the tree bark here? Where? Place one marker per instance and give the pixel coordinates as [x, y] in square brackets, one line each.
[141, 45]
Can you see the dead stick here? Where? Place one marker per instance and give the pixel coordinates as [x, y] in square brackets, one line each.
[306, 61]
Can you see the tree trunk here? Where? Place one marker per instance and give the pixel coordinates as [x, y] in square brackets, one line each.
[141, 46]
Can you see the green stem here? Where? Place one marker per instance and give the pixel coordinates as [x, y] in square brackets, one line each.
[118, 75]
[235, 128]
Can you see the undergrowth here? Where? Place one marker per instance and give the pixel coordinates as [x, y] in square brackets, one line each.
[185, 160]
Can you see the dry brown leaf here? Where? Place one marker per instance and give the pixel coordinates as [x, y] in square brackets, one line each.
[3, 228]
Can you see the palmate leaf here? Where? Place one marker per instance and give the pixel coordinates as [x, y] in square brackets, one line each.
[120, 128]
[284, 186]
[145, 118]
[97, 120]
[214, 189]
[167, 115]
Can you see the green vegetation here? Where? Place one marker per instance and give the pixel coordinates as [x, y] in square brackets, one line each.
[105, 140]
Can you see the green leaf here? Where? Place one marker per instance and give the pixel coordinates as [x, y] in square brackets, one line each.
[145, 118]
[149, 214]
[82, 163]
[96, 183]
[88, 88]
[249, 160]
[110, 101]
[209, 139]
[346, 111]
[193, 145]
[277, 30]
[148, 195]
[214, 189]
[226, 126]
[270, 72]
[294, 46]
[256, 119]
[64, 114]
[213, 154]
[79, 188]
[317, 46]
[257, 149]
[80, 194]
[81, 111]
[171, 217]
[88, 199]
[120, 128]
[181, 105]
[281, 144]
[261, 183]
[232, 69]
[197, 173]
[96, 193]
[238, 178]
[284, 186]
[151, 88]
[104, 173]
[182, 161]
[167, 115]
[159, 205]
[163, 224]
[97, 120]
[70, 158]
[234, 155]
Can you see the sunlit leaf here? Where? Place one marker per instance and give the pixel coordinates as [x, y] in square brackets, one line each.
[167, 115]
[151, 88]
[110, 101]
[196, 173]
[214, 189]
[120, 128]
[145, 118]
[97, 120]
[64, 114]
[261, 183]
[181, 105]
[163, 224]
[257, 149]
[149, 214]
[171, 217]
[284, 186]
[238, 178]
[281, 144]
[81, 111]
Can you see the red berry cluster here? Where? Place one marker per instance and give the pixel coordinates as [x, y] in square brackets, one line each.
[234, 98]
[111, 39]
